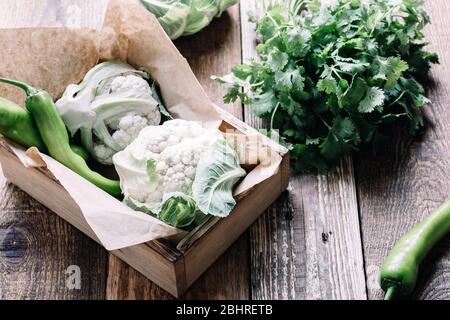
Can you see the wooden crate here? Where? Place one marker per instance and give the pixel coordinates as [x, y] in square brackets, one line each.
[169, 268]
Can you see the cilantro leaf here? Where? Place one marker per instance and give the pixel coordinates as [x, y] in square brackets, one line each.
[339, 139]
[374, 98]
[327, 85]
[264, 104]
[352, 67]
[277, 60]
[355, 93]
[391, 69]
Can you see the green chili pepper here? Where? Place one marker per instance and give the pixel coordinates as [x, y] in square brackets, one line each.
[82, 152]
[53, 132]
[399, 272]
[16, 124]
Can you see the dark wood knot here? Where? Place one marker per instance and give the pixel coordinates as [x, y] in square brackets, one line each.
[14, 245]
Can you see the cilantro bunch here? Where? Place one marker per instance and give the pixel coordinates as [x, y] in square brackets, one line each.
[334, 77]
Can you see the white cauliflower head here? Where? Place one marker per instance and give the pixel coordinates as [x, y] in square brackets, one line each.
[111, 106]
[163, 159]
[131, 86]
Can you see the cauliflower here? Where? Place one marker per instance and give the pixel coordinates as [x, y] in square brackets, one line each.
[179, 172]
[132, 86]
[110, 108]
[170, 152]
[177, 166]
[183, 18]
[127, 127]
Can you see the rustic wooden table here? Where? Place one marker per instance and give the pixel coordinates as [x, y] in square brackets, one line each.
[323, 239]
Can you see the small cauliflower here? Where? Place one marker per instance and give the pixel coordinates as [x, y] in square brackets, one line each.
[163, 159]
[110, 108]
[179, 172]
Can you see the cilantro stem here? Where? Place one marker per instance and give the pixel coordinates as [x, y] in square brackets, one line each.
[383, 17]
[351, 84]
[254, 85]
[272, 19]
[324, 122]
[396, 100]
[272, 118]
[333, 69]
[337, 71]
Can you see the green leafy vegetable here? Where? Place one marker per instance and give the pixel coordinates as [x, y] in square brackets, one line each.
[217, 173]
[178, 210]
[186, 17]
[335, 76]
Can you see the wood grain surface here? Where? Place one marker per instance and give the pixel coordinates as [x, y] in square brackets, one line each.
[411, 177]
[38, 251]
[325, 238]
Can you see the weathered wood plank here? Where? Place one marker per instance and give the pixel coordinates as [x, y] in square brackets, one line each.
[52, 13]
[39, 252]
[213, 51]
[228, 277]
[400, 187]
[36, 246]
[308, 245]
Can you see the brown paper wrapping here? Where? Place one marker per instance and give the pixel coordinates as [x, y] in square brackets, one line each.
[56, 55]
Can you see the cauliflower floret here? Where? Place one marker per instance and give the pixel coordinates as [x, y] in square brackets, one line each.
[176, 166]
[103, 153]
[173, 149]
[158, 139]
[132, 86]
[125, 132]
[126, 128]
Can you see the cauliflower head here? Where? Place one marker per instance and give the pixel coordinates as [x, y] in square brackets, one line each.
[110, 108]
[125, 128]
[179, 172]
[162, 160]
[186, 17]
